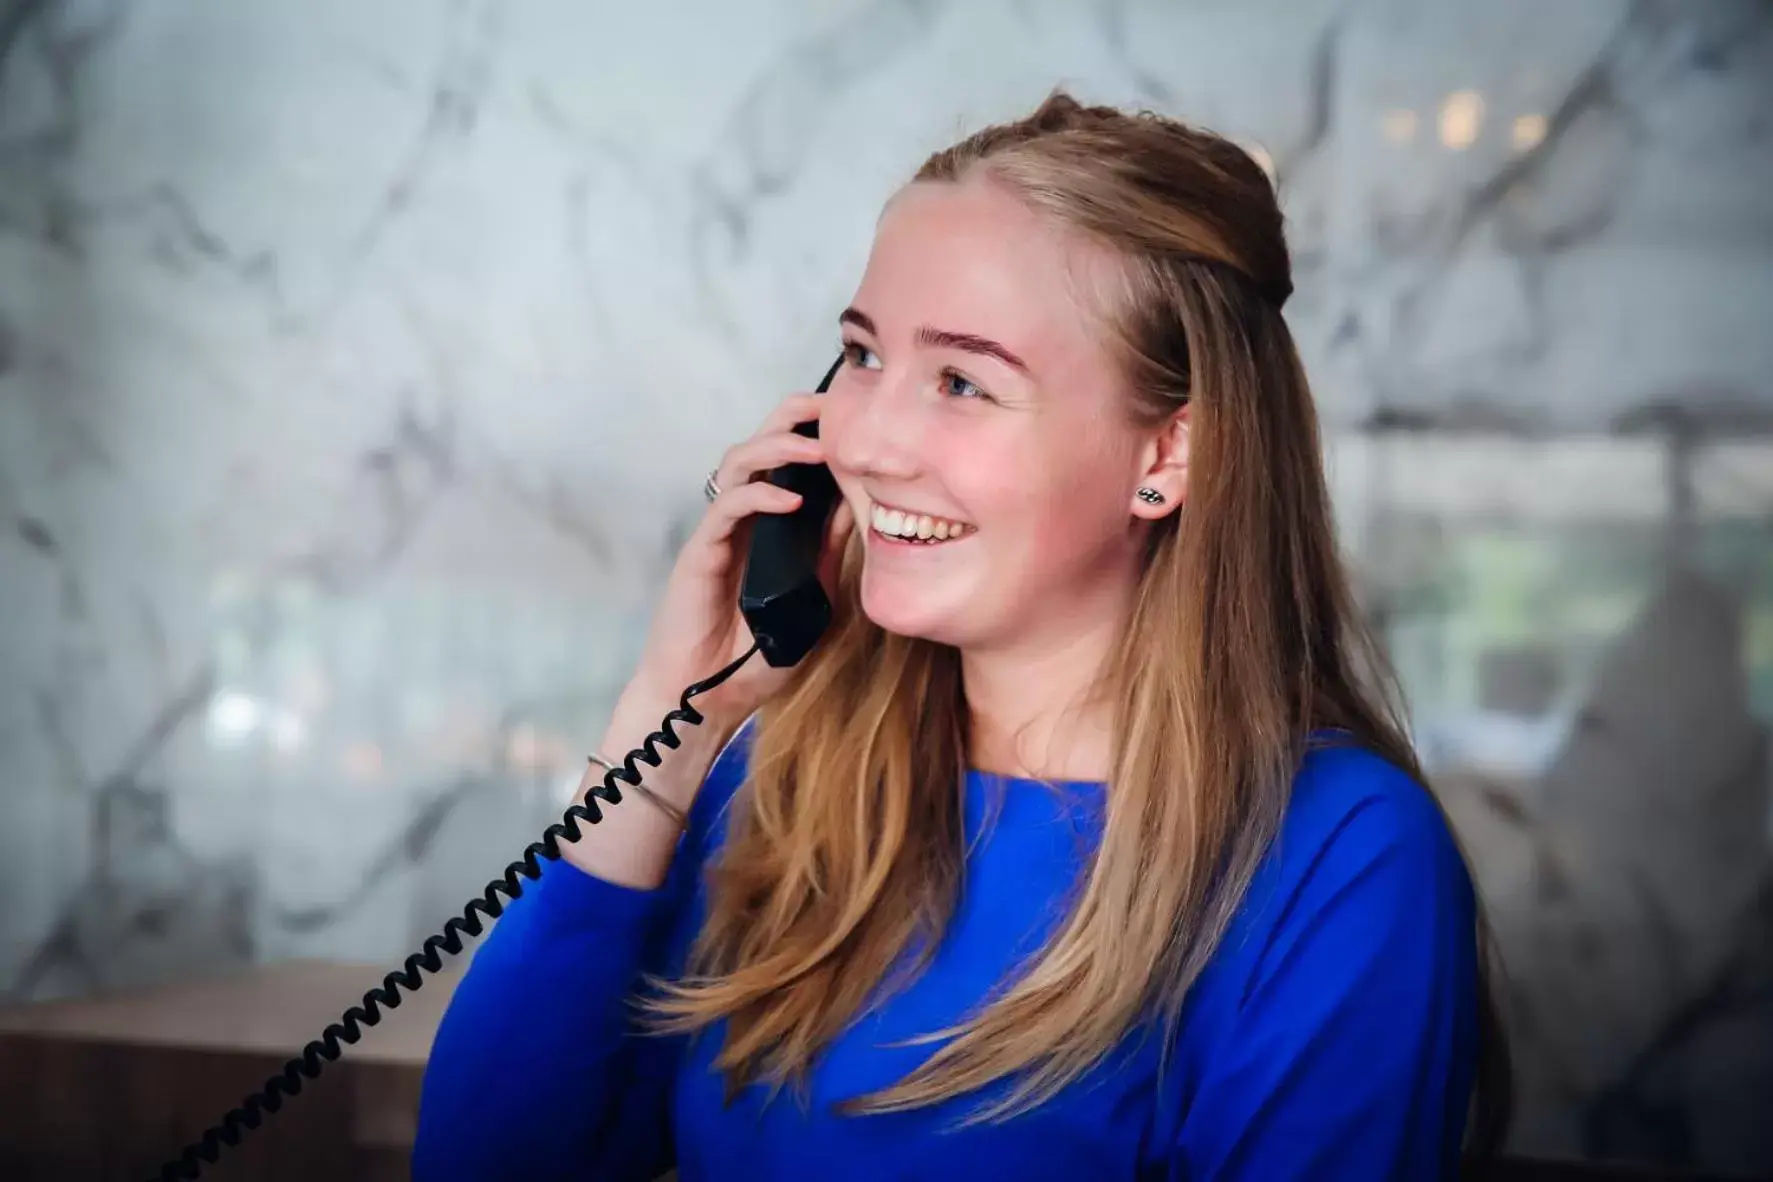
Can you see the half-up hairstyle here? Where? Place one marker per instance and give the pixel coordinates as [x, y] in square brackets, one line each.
[845, 845]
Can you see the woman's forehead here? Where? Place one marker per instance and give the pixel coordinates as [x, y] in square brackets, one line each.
[972, 257]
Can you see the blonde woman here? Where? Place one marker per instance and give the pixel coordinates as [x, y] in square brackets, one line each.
[1080, 847]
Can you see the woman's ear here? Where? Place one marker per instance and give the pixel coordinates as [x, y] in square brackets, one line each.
[1163, 480]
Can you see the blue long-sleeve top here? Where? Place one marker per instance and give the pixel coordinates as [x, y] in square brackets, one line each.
[1333, 1035]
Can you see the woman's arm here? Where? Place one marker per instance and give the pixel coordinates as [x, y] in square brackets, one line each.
[1352, 1054]
[536, 1071]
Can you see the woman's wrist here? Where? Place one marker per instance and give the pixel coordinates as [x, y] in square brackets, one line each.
[640, 712]
[635, 842]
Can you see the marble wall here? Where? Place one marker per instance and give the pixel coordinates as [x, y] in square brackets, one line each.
[360, 362]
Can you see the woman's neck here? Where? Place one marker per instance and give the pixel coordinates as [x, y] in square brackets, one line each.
[1037, 710]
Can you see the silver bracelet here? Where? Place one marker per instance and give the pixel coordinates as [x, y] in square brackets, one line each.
[659, 802]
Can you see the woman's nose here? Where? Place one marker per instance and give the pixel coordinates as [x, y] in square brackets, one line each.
[882, 435]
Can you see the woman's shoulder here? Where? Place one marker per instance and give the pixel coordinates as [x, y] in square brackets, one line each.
[1362, 868]
[1363, 846]
[1349, 794]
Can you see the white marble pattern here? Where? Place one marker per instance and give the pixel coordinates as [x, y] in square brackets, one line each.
[359, 364]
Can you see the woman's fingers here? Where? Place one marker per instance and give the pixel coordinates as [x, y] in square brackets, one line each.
[746, 461]
[792, 410]
[734, 505]
[743, 494]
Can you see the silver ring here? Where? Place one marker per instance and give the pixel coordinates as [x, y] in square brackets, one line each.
[711, 487]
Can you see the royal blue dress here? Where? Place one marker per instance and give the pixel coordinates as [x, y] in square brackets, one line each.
[1334, 1035]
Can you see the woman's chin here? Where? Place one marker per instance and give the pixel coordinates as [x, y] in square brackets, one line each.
[906, 611]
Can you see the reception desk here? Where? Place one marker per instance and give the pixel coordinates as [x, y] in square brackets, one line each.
[110, 1087]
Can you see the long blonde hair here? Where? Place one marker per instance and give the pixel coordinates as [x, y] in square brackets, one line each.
[844, 850]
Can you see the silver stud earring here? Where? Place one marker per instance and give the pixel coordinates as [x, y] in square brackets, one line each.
[1150, 495]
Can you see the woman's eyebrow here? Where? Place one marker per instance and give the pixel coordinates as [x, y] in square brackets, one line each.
[941, 339]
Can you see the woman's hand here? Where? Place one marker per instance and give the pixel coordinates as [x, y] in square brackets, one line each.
[697, 629]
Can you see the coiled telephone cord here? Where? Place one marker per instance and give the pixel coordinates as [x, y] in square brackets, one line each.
[315, 1056]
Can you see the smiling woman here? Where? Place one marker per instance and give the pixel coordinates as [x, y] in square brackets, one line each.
[1079, 847]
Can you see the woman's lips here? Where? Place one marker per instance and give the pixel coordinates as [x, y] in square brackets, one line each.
[905, 527]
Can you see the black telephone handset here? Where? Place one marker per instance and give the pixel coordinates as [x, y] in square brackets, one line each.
[786, 609]
[780, 596]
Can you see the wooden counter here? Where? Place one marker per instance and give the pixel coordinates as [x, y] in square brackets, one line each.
[110, 1087]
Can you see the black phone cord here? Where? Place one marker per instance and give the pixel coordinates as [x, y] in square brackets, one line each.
[315, 1056]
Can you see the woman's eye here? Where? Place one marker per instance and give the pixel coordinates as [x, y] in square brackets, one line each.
[953, 383]
[860, 356]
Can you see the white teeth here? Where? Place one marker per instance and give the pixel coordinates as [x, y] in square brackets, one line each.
[900, 524]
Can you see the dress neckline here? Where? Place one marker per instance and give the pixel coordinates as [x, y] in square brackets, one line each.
[980, 775]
